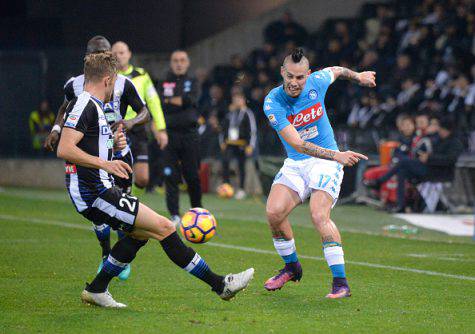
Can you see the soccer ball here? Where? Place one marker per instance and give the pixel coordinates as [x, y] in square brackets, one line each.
[225, 190]
[198, 225]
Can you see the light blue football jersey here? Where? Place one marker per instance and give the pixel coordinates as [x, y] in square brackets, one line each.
[306, 113]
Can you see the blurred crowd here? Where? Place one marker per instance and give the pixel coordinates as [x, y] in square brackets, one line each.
[423, 53]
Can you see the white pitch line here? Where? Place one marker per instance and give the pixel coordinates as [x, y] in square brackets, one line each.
[254, 250]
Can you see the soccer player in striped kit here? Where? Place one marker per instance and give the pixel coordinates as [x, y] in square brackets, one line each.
[87, 145]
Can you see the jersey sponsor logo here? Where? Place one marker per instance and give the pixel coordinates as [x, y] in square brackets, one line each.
[312, 95]
[110, 117]
[110, 143]
[268, 100]
[309, 133]
[267, 107]
[272, 119]
[70, 169]
[106, 130]
[306, 116]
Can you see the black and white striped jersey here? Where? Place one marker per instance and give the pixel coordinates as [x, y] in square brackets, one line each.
[85, 114]
[125, 95]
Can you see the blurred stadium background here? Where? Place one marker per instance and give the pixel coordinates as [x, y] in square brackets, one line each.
[422, 50]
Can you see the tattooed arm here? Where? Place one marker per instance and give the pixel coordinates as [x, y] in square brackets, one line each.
[292, 137]
[367, 79]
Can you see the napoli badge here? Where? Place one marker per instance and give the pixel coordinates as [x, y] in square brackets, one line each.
[312, 95]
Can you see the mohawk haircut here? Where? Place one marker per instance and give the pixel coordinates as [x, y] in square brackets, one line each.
[99, 65]
[297, 56]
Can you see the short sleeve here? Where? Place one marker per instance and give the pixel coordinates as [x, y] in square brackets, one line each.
[131, 96]
[322, 79]
[275, 113]
[69, 90]
[78, 116]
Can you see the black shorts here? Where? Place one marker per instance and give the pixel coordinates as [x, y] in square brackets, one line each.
[125, 184]
[114, 208]
[139, 144]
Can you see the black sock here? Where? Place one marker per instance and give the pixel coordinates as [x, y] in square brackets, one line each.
[106, 247]
[124, 251]
[100, 282]
[186, 258]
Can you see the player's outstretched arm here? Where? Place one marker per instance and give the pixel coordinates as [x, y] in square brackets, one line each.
[366, 79]
[69, 151]
[143, 116]
[292, 137]
[52, 140]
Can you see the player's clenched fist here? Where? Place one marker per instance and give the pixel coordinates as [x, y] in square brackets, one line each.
[349, 158]
[118, 168]
[51, 141]
[120, 141]
[367, 79]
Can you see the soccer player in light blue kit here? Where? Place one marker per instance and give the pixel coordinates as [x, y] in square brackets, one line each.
[314, 167]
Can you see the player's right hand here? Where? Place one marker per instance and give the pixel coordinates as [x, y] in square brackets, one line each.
[349, 158]
[118, 168]
[51, 141]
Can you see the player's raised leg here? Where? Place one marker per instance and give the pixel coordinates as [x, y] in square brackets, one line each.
[320, 206]
[282, 200]
[150, 225]
[162, 229]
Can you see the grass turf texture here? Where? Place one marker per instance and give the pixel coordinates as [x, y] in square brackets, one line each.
[44, 267]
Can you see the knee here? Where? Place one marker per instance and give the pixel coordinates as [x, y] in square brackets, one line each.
[141, 181]
[167, 227]
[319, 218]
[275, 215]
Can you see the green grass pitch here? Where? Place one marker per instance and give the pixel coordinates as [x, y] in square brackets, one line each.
[399, 285]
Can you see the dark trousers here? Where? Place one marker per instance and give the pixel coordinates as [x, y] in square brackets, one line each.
[182, 156]
[233, 151]
[405, 169]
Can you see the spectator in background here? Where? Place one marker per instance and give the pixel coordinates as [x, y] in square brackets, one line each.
[41, 122]
[436, 166]
[286, 29]
[238, 138]
[406, 127]
[213, 111]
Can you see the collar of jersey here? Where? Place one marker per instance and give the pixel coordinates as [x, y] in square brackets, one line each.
[101, 104]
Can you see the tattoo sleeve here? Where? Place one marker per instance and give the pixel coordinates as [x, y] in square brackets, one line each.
[344, 73]
[317, 151]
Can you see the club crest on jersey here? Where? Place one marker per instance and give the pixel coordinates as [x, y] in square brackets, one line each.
[168, 88]
[272, 119]
[312, 95]
[306, 116]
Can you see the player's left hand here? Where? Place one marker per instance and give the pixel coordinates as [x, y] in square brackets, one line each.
[161, 137]
[127, 125]
[120, 141]
[367, 79]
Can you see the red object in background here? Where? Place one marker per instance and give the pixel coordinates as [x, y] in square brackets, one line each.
[386, 150]
[388, 190]
[204, 177]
